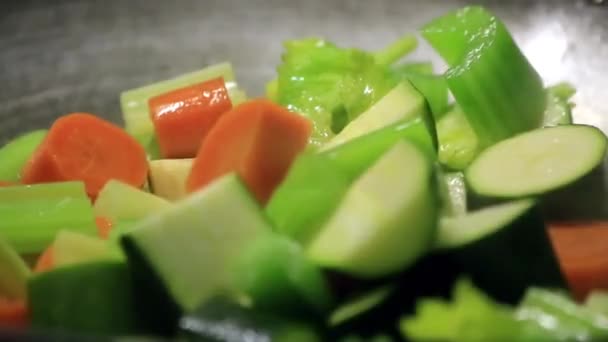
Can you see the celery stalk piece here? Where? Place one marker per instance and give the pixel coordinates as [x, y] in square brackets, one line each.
[30, 225]
[329, 84]
[134, 102]
[403, 102]
[433, 87]
[16, 153]
[13, 273]
[458, 143]
[499, 91]
[120, 201]
[396, 50]
[47, 191]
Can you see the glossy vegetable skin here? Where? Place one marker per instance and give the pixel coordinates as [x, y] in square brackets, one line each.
[183, 117]
[492, 81]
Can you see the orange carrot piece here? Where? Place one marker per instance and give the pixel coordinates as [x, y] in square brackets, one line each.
[183, 117]
[259, 140]
[13, 313]
[83, 147]
[104, 226]
[3, 183]
[45, 261]
[582, 249]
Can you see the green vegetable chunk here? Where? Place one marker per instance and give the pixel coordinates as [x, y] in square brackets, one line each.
[13, 273]
[274, 272]
[184, 255]
[33, 214]
[492, 81]
[572, 322]
[73, 248]
[458, 143]
[16, 153]
[402, 103]
[387, 219]
[119, 201]
[322, 81]
[91, 298]
[316, 183]
[471, 317]
[482, 244]
[433, 87]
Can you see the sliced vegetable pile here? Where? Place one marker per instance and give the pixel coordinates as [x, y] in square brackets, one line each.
[353, 203]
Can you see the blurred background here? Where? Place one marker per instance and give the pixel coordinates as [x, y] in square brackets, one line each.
[63, 56]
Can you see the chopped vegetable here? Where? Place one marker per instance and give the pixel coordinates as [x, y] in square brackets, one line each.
[533, 163]
[565, 319]
[168, 177]
[458, 144]
[316, 183]
[396, 50]
[259, 140]
[453, 193]
[84, 147]
[433, 87]
[210, 234]
[73, 248]
[400, 104]
[360, 305]
[479, 241]
[183, 117]
[582, 249]
[492, 81]
[471, 316]
[134, 102]
[32, 215]
[386, 220]
[15, 154]
[274, 272]
[13, 273]
[326, 83]
[559, 107]
[90, 298]
[115, 202]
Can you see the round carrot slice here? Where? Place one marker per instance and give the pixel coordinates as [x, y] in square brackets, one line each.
[582, 249]
[81, 146]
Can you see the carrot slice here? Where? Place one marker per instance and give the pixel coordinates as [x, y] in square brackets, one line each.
[104, 226]
[257, 139]
[582, 249]
[3, 183]
[45, 261]
[81, 146]
[13, 313]
[183, 117]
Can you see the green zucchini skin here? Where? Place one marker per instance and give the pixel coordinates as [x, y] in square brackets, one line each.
[93, 298]
[153, 302]
[505, 262]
